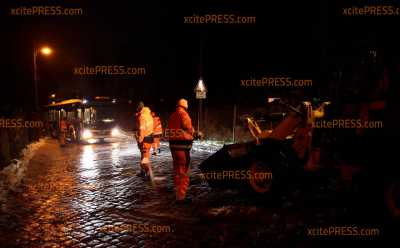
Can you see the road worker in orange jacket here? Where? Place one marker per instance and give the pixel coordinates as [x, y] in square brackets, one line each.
[137, 114]
[144, 137]
[180, 134]
[63, 130]
[157, 132]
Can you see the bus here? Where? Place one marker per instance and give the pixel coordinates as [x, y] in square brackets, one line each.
[89, 121]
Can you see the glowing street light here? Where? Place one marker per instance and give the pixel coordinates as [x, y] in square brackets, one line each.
[46, 51]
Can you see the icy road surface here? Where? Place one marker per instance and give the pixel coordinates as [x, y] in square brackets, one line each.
[90, 196]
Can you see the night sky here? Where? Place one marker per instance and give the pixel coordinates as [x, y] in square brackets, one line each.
[288, 39]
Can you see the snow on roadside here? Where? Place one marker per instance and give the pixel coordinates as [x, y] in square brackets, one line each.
[12, 175]
[207, 145]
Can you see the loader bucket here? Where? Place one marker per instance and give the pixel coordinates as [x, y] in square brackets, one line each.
[232, 167]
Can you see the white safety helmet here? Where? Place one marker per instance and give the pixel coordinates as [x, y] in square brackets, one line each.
[183, 103]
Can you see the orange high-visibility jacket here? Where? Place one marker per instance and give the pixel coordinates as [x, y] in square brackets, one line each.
[63, 126]
[145, 124]
[157, 129]
[180, 129]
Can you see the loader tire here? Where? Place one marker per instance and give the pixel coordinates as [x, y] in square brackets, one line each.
[392, 199]
[260, 179]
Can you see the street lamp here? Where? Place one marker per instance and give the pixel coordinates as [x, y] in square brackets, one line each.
[46, 51]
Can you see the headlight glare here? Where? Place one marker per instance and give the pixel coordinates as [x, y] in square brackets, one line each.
[86, 134]
[115, 132]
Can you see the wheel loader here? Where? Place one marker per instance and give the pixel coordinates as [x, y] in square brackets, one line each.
[285, 152]
[282, 152]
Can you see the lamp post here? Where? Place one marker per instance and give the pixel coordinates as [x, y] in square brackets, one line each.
[46, 51]
[201, 93]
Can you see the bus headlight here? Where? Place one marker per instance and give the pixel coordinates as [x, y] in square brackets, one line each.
[115, 132]
[87, 134]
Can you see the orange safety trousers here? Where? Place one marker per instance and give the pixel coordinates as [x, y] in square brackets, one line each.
[181, 162]
[156, 143]
[145, 155]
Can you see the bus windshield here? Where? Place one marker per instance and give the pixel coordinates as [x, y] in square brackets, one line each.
[102, 116]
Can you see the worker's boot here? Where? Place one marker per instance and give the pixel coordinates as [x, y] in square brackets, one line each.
[143, 170]
[142, 173]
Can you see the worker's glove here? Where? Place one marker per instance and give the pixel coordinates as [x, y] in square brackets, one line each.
[198, 135]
